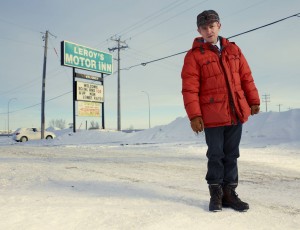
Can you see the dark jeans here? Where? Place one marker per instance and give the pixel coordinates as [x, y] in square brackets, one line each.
[223, 150]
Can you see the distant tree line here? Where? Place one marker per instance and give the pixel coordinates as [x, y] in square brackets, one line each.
[58, 123]
[61, 124]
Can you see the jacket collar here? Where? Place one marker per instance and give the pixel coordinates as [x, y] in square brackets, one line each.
[200, 43]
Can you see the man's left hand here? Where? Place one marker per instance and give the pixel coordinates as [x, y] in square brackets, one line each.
[255, 109]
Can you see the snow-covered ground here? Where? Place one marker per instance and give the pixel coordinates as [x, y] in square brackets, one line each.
[153, 179]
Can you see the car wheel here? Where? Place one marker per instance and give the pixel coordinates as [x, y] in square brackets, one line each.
[49, 137]
[24, 139]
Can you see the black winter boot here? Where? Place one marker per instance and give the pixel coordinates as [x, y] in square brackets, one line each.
[230, 199]
[216, 194]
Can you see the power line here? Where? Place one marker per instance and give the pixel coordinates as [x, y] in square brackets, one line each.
[31, 106]
[142, 22]
[168, 19]
[20, 26]
[23, 42]
[34, 81]
[257, 28]
[140, 56]
[244, 9]
[23, 86]
[30, 83]
[151, 17]
[248, 31]
[185, 33]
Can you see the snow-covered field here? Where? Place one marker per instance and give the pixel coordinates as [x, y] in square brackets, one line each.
[153, 179]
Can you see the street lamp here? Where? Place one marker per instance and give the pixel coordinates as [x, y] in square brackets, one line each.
[8, 114]
[148, 107]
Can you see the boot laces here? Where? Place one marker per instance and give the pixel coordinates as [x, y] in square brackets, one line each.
[235, 195]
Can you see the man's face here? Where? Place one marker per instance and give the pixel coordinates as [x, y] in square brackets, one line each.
[210, 32]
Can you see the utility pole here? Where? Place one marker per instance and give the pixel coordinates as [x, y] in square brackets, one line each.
[118, 47]
[266, 99]
[279, 106]
[44, 84]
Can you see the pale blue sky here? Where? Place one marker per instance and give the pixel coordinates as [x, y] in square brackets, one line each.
[152, 29]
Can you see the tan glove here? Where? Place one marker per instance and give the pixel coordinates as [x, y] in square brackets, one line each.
[255, 109]
[197, 124]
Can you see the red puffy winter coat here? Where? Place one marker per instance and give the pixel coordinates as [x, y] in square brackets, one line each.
[217, 87]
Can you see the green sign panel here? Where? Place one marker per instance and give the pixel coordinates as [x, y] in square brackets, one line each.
[83, 57]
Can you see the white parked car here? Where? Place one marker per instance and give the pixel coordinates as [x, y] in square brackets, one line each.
[25, 134]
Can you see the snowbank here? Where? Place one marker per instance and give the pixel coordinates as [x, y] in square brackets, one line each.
[274, 126]
[269, 128]
[262, 129]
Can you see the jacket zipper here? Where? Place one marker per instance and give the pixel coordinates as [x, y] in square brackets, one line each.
[231, 104]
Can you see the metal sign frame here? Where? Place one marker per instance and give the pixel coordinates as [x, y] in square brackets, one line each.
[74, 101]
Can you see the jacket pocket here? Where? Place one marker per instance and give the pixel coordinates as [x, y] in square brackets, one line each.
[214, 109]
[234, 62]
[209, 69]
[244, 108]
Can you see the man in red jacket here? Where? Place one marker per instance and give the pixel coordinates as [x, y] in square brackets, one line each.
[219, 95]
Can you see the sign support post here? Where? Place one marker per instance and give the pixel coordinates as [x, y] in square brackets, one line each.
[103, 124]
[74, 100]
